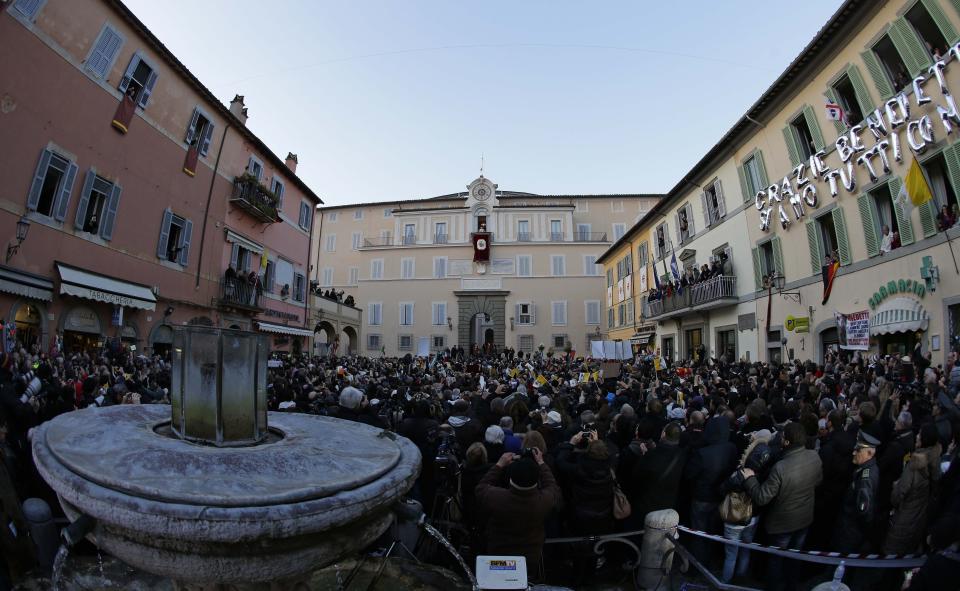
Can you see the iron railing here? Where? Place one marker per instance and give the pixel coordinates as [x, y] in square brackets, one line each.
[440, 239]
[239, 292]
[524, 236]
[706, 292]
[250, 196]
[590, 237]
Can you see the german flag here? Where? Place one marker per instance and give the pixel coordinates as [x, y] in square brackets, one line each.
[829, 274]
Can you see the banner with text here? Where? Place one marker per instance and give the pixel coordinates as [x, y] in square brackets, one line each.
[853, 330]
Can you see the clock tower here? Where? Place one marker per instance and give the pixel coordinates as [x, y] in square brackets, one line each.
[481, 198]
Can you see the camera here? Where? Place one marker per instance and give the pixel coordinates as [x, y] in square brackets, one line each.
[527, 452]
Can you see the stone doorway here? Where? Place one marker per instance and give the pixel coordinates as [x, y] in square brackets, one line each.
[492, 306]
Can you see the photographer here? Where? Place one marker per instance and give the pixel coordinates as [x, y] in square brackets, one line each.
[515, 515]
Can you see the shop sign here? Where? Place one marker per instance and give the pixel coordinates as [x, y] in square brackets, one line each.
[279, 314]
[82, 320]
[801, 324]
[901, 286]
[890, 126]
[111, 298]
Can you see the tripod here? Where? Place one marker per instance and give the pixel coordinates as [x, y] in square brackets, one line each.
[410, 513]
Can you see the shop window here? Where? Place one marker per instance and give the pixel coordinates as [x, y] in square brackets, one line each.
[97, 211]
[927, 29]
[846, 95]
[52, 185]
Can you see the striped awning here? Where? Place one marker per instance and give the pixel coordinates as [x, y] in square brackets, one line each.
[283, 329]
[899, 315]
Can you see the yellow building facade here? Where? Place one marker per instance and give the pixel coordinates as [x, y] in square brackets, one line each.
[816, 171]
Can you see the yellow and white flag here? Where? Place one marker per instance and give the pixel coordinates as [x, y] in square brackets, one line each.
[914, 188]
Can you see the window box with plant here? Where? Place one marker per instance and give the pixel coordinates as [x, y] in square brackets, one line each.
[250, 195]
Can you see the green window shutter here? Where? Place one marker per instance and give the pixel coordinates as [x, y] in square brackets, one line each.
[956, 5]
[811, 118]
[843, 240]
[952, 157]
[903, 220]
[838, 125]
[791, 142]
[757, 270]
[940, 17]
[928, 218]
[860, 88]
[763, 168]
[878, 75]
[744, 189]
[814, 242]
[869, 224]
[777, 256]
[909, 46]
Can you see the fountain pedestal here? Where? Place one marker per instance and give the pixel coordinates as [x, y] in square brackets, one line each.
[317, 489]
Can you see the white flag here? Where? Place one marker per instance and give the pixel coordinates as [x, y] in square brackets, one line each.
[903, 200]
[834, 112]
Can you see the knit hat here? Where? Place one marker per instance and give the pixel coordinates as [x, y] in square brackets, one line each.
[351, 398]
[524, 474]
[554, 418]
[494, 434]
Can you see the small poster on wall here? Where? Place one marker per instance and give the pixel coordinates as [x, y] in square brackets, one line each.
[853, 330]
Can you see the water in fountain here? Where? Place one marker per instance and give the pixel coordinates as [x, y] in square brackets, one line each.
[435, 534]
[58, 563]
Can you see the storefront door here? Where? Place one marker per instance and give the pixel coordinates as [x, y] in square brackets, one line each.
[694, 338]
[81, 330]
[727, 345]
[27, 322]
[667, 348]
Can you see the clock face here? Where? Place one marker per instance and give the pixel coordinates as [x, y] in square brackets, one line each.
[481, 194]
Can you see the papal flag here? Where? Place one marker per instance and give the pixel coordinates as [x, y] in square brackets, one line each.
[915, 187]
[264, 258]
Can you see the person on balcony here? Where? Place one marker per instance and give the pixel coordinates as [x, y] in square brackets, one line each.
[945, 219]
[256, 288]
[230, 282]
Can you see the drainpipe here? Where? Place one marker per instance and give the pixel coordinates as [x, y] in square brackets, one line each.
[206, 210]
[307, 294]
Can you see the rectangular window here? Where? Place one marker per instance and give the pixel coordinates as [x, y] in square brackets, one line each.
[767, 263]
[558, 265]
[326, 277]
[438, 313]
[331, 242]
[892, 64]
[935, 169]
[610, 314]
[269, 276]
[887, 219]
[97, 210]
[803, 137]
[556, 231]
[846, 95]
[592, 311]
[523, 231]
[354, 275]
[558, 313]
[387, 212]
[410, 234]
[406, 313]
[332, 216]
[375, 313]
[590, 267]
[559, 341]
[684, 221]
[357, 240]
[373, 342]
[630, 312]
[581, 206]
[525, 343]
[616, 206]
[299, 287]
[277, 188]
[524, 265]
[52, 184]
[438, 342]
[254, 167]
[440, 233]
[621, 314]
[104, 51]
[439, 267]
[755, 177]
[175, 236]
[386, 237]
[525, 313]
[405, 342]
[619, 230]
[583, 233]
[828, 235]
[358, 214]
[200, 132]
[662, 244]
[139, 79]
[642, 255]
[376, 269]
[306, 216]
[930, 33]
[407, 268]
[610, 277]
[29, 8]
[714, 208]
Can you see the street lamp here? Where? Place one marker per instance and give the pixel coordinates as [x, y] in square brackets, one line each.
[23, 226]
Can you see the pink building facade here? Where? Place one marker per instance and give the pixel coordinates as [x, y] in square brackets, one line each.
[146, 203]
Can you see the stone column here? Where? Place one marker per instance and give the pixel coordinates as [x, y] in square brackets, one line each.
[655, 546]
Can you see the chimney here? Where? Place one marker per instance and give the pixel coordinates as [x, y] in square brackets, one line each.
[237, 108]
[292, 162]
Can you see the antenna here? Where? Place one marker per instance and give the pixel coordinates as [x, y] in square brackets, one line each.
[481, 163]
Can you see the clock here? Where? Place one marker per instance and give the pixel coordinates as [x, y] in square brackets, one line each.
[481, 194]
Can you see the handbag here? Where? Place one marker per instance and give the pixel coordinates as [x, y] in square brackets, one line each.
[736, 508]
[621, 505]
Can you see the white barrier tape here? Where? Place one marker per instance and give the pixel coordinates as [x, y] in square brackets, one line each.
[626, 534]
[834, 558]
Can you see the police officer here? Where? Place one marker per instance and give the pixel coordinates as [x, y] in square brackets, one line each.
[858, 512]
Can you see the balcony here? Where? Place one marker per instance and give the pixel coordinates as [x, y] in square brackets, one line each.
[524, 237]
[556, 236]
[715, 292]
[240, 293]
[255, 199]
[378, 242]
[590, 237]
[408, 240]
[325, 307]
[440, 239]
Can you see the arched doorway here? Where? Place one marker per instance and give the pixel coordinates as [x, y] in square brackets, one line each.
[478, 312]
[161, 340]
[351, 344]
[488, 336]
[323, 338]
[28, 321]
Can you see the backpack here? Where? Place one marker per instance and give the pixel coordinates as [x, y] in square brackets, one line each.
[736, 508]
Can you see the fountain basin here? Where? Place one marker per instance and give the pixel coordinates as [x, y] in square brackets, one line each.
[323, 489]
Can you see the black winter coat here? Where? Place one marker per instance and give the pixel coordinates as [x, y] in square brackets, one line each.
[709, 466]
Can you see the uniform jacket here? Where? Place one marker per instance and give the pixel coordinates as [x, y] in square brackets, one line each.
[858, 511]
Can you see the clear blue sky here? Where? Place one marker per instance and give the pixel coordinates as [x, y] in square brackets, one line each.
[392, 99]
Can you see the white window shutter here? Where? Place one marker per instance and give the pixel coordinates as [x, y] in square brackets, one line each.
[691, 227]
[148, 89]
[128, 75]
[707, 220]
[721, 203]
[533, 313]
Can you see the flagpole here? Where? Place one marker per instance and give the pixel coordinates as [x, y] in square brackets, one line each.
[950, 246]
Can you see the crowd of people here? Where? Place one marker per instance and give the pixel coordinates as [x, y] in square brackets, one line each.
[853, 455]
[693, 275]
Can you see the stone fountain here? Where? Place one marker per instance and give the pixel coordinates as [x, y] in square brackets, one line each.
[206, 492]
